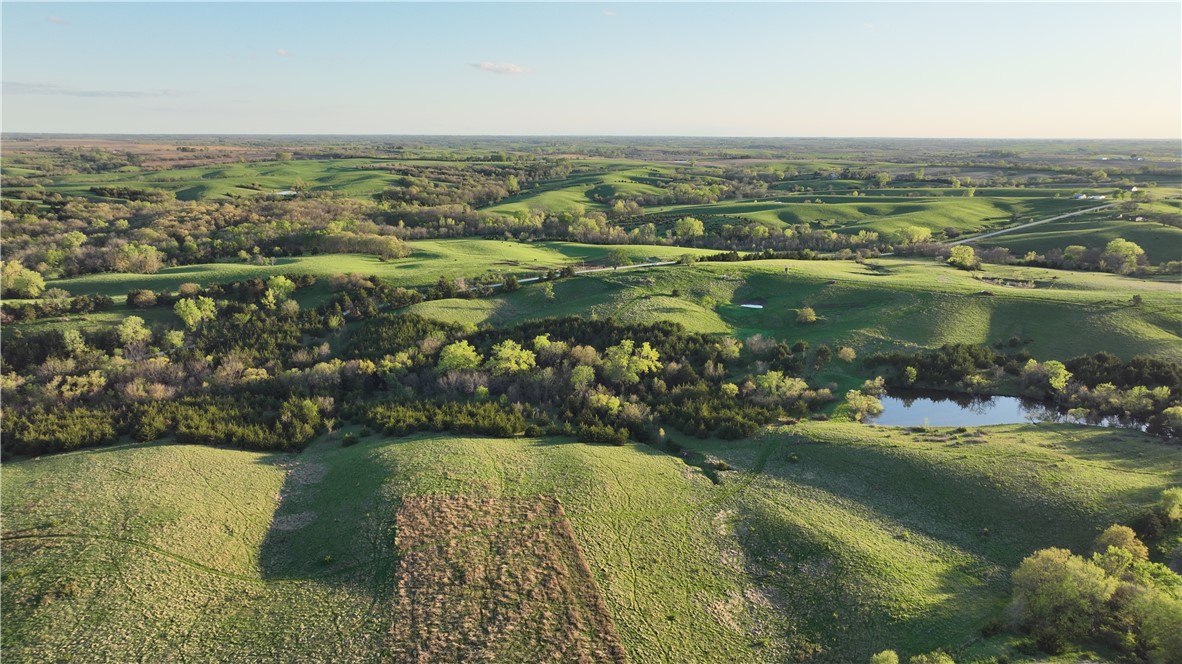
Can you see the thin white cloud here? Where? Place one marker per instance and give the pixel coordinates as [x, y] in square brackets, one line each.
[608, 12]
[281, 52]
[57, 20]
[17, 88]
[506, 68]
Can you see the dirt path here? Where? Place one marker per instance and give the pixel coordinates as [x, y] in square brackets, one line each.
[1019, 227]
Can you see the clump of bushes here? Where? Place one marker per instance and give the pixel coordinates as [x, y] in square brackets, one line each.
[600, 433]
[1116, 597]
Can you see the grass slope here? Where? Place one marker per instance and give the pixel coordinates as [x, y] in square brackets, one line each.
[885, 214]
[1160, 242]
[867, 538]
[429, 260]
[351, 177]
[891, 303]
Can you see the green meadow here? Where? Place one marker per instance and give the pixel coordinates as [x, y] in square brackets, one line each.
[884, 304]
[1160, 242]
[824, 540]
[885, 214]
[429, 260]
[352, 177]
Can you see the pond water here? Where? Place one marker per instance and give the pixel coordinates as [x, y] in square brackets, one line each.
[911, 408]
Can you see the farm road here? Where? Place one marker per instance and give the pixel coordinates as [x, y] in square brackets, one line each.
[594, 269]
[1019, 227]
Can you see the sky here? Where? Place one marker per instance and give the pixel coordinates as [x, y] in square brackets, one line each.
[989, 70]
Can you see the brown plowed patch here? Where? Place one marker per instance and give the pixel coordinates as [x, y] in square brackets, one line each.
[495, 580]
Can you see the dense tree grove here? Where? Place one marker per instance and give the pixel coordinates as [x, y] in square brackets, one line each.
[259, 372]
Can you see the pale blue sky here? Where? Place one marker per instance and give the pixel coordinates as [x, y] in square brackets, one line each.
[799, 69]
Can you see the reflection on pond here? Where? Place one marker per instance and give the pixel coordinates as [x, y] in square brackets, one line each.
[953, 409]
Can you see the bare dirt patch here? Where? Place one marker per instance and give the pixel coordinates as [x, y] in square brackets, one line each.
[308, 473]
[495, 580]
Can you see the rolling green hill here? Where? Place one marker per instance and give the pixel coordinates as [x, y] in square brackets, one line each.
[1160, 242]
[176, 552]
[889, 303]
[885, 214]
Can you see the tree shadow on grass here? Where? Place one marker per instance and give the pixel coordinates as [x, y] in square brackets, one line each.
[962, 505]
[839, 590]
[332, 523]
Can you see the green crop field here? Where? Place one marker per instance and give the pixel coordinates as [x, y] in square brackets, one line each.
[168, 551]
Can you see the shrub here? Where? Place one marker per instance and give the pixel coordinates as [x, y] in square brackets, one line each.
[57, 430]
[1059, 597]
[1121, 537]
[599, 433]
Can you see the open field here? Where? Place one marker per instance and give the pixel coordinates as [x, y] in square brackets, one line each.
[811, 539]
[352, 177]
[885, 214]
[586, 191]
[168, 552]
[1160, 242]
[888, 303]
[429, 260]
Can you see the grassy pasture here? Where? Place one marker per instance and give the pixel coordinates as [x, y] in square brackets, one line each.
[890, 303]
[429, 260]
[1160, 242]
[214, 553]
[351, 177]
[581, 190]
[885, 214]
[879, 537]
[359, 178]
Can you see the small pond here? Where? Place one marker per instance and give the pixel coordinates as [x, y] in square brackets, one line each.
[911, 408]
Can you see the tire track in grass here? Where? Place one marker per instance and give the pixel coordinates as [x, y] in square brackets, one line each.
[720, 496]
[87, 537]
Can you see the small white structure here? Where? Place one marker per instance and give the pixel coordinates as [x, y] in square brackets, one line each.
[751, 306]
[1097, 197]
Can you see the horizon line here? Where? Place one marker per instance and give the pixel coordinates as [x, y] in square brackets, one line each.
[716, 136]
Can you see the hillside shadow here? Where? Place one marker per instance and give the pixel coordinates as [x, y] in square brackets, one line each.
[331, 523]
[818, 576]
[961, 506]
[832, 593]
